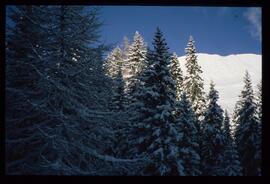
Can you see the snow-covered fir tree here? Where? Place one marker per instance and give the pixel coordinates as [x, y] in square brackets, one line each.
[212, 148]
[134, 63]
[226, 126]
[125, 46]
[177, 75]
[24, 92]
[259, 100]
[231, 164]
[259, 116]
[136, 53]
[118, 93]
[188, 144]
[61, 115]
[117, 105]
[246, 133]
[133, 57]
[154, 133]
[193, 82]
[114, 62]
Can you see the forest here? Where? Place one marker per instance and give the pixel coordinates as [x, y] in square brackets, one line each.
[73, 109]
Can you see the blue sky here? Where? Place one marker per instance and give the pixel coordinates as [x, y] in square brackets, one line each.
[216, 30]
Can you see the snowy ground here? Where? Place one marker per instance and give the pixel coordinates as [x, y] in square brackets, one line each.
[227, 73]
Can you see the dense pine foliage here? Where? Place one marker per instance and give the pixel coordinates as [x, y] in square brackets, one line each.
[72, 110]
[213, 143]
[247, 131]
[193, 82]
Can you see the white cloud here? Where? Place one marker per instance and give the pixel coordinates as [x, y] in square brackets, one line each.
[254, 16]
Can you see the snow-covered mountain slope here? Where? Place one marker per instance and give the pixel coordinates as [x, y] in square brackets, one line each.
[227, 73]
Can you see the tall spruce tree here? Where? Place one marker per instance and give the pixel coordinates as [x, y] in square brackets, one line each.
[133, 57]
[118, 107]
[232, 165]
[55, 47]
[246, 133]
[212, 136]
[114, 62]
[118, 93]
[154, 132]
[259, 100]
[24, 92]
[259, 116]
[189, 142]
[193, 82]
[125, 68]
[177, 75]
[134, 64]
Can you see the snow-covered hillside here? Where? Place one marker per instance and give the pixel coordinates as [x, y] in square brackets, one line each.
[227, 73]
